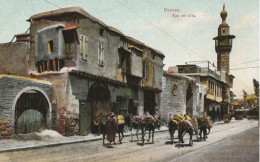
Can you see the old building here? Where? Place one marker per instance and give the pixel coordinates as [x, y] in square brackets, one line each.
[209, 79]
[89, 68]
[181, 94]
[218, 81]
[223, 47]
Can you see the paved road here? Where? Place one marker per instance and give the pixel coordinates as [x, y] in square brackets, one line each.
[128, 151]
[242, 147]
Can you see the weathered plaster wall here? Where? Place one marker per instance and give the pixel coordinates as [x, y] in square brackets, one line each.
[43, 36]
[59, 99]
[14, 58]
[43, 23]
[111, 43]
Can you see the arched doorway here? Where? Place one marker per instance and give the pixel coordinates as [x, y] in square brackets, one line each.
[31, 111]
[189, 100]
[149, 102]
[97, 106]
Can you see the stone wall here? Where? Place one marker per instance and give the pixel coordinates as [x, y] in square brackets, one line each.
[6, 130]
[11, 87]
[171, 104]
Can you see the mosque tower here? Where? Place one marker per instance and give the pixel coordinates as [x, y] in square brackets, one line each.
[223, 43]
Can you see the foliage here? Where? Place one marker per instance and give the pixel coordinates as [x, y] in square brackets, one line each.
[256, 86]
[244, 94]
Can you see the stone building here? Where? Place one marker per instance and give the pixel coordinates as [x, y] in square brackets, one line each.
[181, 94]
[217, 81]
[223, 47]
[83, 70]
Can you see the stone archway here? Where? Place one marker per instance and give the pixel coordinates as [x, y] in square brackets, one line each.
[95, 108]
[189, 100]
[31, 110]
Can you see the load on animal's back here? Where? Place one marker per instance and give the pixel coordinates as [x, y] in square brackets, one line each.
[121, 124]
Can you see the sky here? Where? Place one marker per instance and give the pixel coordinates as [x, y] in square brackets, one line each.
[156, 23]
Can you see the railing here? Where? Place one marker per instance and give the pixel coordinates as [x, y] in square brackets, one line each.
[209, 71]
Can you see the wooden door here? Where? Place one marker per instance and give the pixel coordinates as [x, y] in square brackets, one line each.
[84, 117]
[30, 113]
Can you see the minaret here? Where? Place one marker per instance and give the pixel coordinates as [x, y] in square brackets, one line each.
[223, 43]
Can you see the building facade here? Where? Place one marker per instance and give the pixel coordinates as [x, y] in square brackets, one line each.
[217, 81]
[181, 94]
[92, 69]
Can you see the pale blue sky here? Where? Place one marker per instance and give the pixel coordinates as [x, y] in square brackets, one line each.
[189, 37]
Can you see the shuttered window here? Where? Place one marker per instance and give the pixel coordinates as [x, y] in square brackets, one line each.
[100, 53]
[83, 47]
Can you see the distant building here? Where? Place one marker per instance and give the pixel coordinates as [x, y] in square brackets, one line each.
[80, 69]
[218, 82]
[181, 94]
[212, 82]
[252, 101]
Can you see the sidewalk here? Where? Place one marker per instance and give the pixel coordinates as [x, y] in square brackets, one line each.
[49, 138]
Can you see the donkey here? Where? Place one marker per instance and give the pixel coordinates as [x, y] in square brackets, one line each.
[149, 123]
[173, 126]
[185, 126]
[204, 124]
[133, 123]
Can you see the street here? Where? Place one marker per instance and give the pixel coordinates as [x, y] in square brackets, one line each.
[240, 147]
[226, 139]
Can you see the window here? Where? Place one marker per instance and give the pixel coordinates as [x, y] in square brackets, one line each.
[216, 42]
[144, 69]
[100, 54]
[125, 44]
[83, 47]
[223, 31]
[154, 73]
[50, 46]
[230, 42]
[101, 32]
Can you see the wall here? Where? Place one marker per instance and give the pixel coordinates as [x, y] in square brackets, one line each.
[169, 103]
[14, 58]
[45, 35]
[10, 90]
[59, 99]
[111, 43]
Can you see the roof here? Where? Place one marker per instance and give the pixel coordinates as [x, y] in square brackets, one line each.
[79, 10]
[251, 97]
[142, 44]
[25, 78]
[67, 10]
[178, 75]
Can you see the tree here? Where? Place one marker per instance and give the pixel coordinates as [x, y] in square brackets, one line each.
[256, 86]
[245, 94]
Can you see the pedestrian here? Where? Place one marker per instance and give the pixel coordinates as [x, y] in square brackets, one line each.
[111, 128]
[213, 114]
[218, 114]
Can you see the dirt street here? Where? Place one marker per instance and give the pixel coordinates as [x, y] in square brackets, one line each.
[129, 151]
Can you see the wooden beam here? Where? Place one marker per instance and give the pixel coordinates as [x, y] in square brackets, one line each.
[58, 64]
[48, 65]
[54, 65]
[43, 68]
